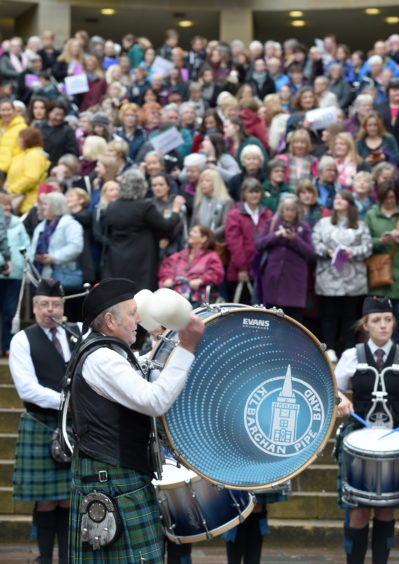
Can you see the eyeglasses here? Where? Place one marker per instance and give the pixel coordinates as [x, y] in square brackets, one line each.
[46, 305]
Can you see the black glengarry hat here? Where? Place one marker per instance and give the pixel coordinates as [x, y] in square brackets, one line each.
[377, 305]
[50, 288]
[105, 294]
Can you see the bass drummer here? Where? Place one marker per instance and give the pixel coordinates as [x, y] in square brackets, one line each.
[114, 512]
[378, 323]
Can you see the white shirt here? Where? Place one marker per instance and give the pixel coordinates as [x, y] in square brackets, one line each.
[348, 363]
[23, 371]
[253, 214]
[111, 375]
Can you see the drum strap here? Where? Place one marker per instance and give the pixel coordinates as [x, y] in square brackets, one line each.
[361, 354]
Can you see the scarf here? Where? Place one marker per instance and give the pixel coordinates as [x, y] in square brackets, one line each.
[43, 241]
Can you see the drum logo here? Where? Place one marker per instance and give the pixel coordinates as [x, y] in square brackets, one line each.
[283, 415]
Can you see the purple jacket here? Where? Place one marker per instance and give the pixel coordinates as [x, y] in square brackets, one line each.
[284, 279]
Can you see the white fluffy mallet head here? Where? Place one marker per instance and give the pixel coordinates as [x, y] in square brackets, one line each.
[170, 309]
[143, 300]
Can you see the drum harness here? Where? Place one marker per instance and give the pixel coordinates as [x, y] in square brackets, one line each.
[101, 522]
[382, 417]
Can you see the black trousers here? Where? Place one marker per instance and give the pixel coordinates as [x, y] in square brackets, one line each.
[338, 315]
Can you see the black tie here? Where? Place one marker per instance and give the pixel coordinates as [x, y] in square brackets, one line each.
[379, 359]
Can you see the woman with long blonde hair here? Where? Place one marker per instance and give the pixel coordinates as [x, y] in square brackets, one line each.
[346, 158]
[70, 62]
[212, 203]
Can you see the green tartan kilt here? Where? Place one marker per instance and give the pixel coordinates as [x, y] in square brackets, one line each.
[141, 540]
[36, 475]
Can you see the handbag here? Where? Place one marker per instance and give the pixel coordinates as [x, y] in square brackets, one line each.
[223, 252]
[380, 269]
[70, 279]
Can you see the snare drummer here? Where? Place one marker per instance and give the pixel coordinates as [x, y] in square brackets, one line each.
[111, 405]
[378, 323]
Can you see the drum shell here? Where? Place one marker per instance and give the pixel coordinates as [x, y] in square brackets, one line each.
[370, 476]
[216, 317]
[193, 509]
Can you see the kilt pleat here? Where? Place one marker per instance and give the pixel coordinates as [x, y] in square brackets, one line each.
[36, 475]
[141, 540]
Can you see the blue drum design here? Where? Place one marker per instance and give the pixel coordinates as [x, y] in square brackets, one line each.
[259, 403]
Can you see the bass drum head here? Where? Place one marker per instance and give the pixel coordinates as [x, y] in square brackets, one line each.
[259, 402]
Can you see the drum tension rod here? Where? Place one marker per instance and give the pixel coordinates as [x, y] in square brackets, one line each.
[170, 342]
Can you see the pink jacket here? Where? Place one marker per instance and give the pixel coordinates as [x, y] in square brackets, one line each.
[240, 235]
[206, 265]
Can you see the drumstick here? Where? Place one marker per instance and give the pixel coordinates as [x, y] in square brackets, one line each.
[360, 419]
[390, 433]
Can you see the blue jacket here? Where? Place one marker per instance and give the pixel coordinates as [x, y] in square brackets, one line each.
[17, 238]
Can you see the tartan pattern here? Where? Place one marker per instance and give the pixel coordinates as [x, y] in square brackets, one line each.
[141, 540]
[36, 475]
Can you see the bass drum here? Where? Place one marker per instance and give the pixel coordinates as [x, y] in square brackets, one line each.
[192, 509]
[259, 402]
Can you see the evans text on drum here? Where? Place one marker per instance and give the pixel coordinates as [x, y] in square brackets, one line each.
[259, 402]
[371, 468]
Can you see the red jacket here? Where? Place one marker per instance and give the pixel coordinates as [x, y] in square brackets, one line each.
[240, 235]
[205, 265]
[255, 127]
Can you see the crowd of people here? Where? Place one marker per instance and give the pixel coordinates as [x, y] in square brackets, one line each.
[264, 173]
[274, 193]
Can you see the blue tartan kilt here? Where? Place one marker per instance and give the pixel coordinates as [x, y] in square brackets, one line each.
[36, 475]
[141, 540]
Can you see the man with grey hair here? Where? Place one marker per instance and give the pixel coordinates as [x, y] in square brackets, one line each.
[112, 407]
[37, 363]
[326, 98]
[326, 183]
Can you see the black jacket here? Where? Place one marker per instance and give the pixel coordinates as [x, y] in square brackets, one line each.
[58, 140]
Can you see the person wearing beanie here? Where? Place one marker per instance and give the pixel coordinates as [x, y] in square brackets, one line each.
[37, 363]
[100, 125]
[379, 351]
[112, 406]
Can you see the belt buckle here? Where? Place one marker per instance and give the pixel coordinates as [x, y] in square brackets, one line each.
[102, 476]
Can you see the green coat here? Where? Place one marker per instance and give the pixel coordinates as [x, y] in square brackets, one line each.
[377, 222]
[272, 195]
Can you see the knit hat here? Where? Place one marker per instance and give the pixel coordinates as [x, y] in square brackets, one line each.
[100, 118]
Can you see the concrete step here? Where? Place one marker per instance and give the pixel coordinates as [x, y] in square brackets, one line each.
[316, 478]
[6, 469]
[7, 445]
[9, 397]
[307, 505]
[8, 506]
[5, 376]
[9, 419]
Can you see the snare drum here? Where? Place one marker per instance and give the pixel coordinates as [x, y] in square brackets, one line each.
[371, 468]
[259, 402]
[192, 509]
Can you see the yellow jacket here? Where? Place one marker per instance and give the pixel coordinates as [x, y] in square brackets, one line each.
[26, 172]
[9, 146]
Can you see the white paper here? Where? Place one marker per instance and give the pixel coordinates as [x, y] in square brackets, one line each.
[162, 66]
[320, 44]
[77, 84]
[322, 117]
[167, 140]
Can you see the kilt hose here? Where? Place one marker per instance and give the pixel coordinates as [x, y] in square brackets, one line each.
[36, 475]
[141, 541]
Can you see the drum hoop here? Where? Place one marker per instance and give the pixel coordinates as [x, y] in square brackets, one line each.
[218, 530]
[388, 455]
[330, 429]
[180, 484]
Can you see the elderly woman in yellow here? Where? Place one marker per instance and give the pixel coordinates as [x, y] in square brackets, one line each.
[27, 170]
[10, 126]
